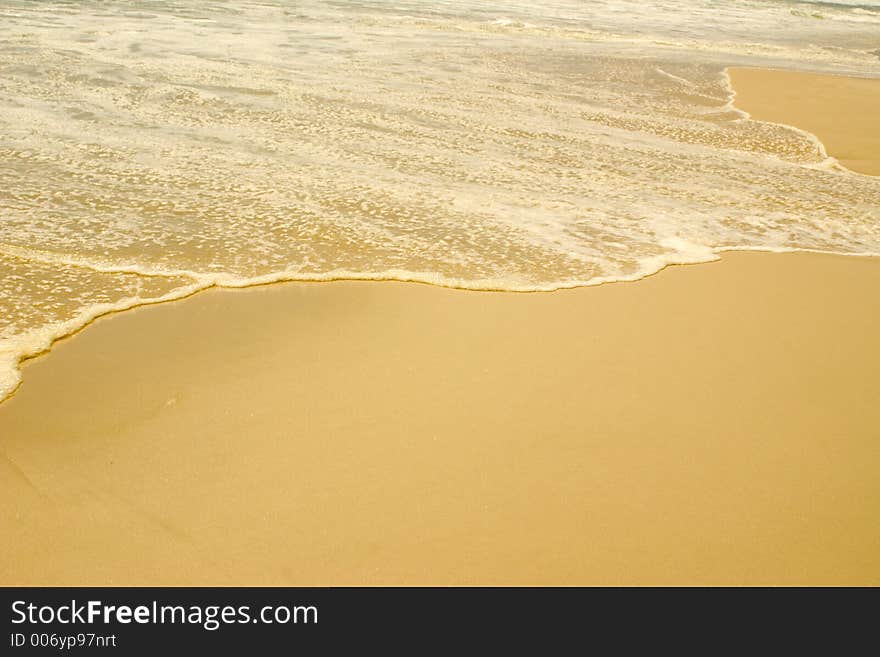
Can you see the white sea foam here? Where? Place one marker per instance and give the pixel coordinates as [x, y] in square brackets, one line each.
[38, 340]
[152, 150]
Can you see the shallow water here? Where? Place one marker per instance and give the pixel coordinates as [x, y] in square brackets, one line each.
[149, 149]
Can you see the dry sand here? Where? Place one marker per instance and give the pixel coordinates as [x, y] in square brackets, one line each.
[712, 424]
[843, 112]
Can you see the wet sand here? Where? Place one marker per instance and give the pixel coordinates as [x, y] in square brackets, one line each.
[842, 111]
[712, 424]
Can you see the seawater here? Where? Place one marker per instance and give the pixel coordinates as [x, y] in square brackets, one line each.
[153, 148]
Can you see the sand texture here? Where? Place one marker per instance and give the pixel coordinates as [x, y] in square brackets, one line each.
[712, 424]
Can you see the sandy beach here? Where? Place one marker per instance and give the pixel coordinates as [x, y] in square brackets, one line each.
[711, 424]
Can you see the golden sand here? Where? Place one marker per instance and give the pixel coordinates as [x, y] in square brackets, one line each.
[711, 424]
[843, 112]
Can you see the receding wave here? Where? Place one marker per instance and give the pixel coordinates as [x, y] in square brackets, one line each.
[154, 149]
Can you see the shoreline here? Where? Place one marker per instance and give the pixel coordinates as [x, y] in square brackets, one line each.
[762, 103]
[711, 425]
[754, 91]
[43, 352]
[815, 103]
